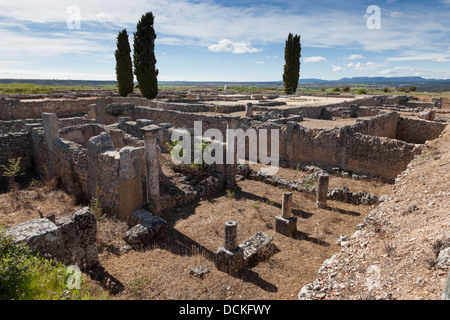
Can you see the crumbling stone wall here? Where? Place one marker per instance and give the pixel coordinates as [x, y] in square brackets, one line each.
[70, 240]
[377, 156]
[12, 109]
[72, 168]
[15, 145]
[383, 125]
[417, 130]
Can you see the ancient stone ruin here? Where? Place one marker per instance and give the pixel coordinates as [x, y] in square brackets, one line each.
[111, 148]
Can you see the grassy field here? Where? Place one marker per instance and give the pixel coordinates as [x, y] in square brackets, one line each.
[28, 88]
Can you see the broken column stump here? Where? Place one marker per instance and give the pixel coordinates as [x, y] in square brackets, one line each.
[286, 223]
[230, 257]
[322, 191]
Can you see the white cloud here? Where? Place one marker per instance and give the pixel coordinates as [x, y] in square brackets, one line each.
[417, 71]
[259, 62]
[365, 66]
[315, 59]
[396, 14]
[226, 45]
[355, 57]
[422, 57]
[338, 68]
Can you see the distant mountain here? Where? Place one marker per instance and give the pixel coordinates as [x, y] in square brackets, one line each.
[377, 80]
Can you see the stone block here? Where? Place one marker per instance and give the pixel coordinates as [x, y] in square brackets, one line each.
[231, 262]
[144, 232]
[257, 248]
[286, 226]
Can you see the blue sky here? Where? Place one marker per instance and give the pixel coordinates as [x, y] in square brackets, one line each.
[207, 40]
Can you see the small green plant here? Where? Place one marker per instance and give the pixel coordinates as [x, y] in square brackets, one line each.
[138, 284]
[412, 88]
[309, 183]
[362, 91]
[172, 146]
[230, 194]
[346, 89]
[256, 206]
[96, 209]
[337, 89]
[11, 172]
[385, 89]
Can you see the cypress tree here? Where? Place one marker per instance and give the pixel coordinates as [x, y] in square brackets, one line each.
[292, 55]
[144, 56]
[124, 69]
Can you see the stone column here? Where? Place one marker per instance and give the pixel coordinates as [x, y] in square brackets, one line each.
[286, 223]
[152, 164]
[50, 123]
[231, 235]
[101, 110]
[322, 190]
[290, 126]
[231, 154]
[130, 182]
[286, 206]
[230, 257]
[249, 110]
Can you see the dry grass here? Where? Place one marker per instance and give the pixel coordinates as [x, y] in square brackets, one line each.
[24, 205]
[162, 271]
[197, 230]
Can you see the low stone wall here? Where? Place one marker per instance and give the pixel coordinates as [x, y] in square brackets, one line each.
[376, 156]
[13, 146]
[417, 130]
[72, 167]
[383, 125]
[70, 240]
[186, 120]
[12, 109]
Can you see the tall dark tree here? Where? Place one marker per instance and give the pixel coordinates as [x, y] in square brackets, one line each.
[292, 55]
[144, 56]
[124, 69]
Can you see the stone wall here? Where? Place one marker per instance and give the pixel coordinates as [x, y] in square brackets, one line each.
[72, 168]
[417, 130]
[13, 146]
[383, 125]
[377, 156]
[70, 240]
[186, 120]
[11, 109]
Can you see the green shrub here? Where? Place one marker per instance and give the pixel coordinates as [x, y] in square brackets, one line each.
[362, 91]
[336, 89]
[27, 277]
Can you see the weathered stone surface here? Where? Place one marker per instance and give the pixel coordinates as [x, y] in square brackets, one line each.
[286, 226]
[146, 230]
[257, 248]
[199, 271]
[71, 240]
[443, 259]
[231, 262]
[41, 235]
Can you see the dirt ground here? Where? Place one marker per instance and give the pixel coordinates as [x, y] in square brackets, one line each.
[197, 231]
